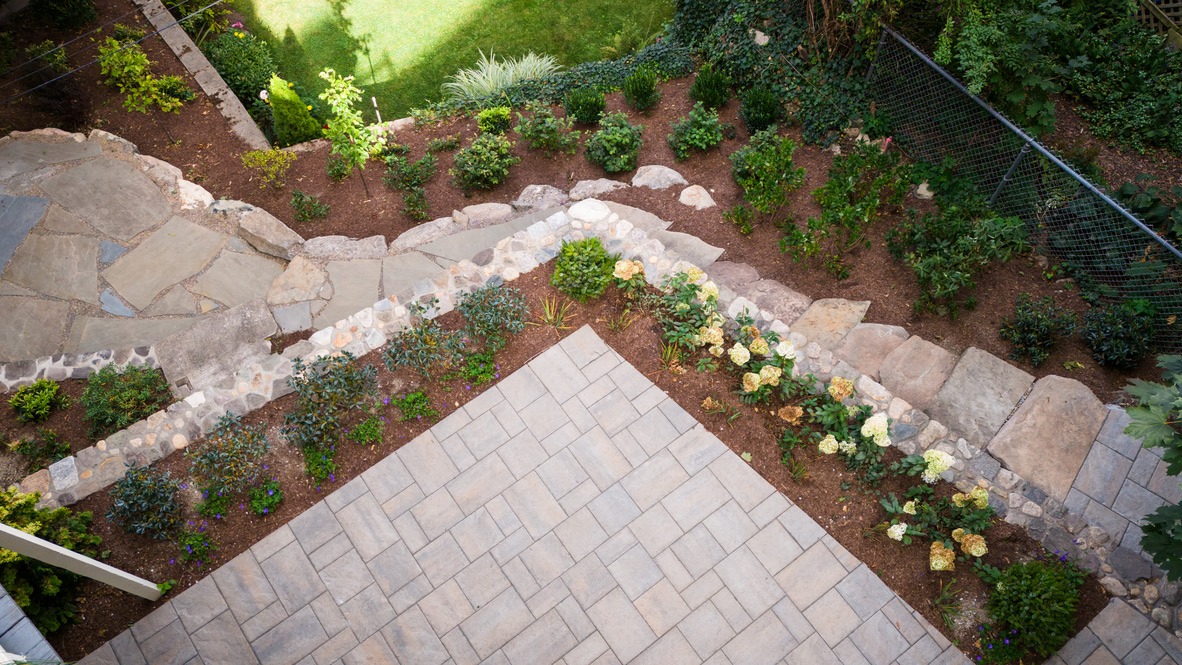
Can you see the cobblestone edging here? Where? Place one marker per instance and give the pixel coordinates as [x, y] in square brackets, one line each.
[62, 366]
[1018, 501]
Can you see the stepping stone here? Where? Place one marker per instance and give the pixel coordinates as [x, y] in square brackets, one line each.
[356, 286]
[340, 248]
[828, 320]
[688, 247]
[587, 189]
[23, 156]
[30, 328]
[111, 196]
[302, 280]
[236, 278]
[64, 267]
[172, 254]
[784, 303]
[403, 270]
[484, 214]
[466, 244]
[979, 395]
[293, 318]
[868, 344]
[424, 233]
[269, 235]
[696, 197]
[915, 371]
[732, 275]
[90, 333]
[641, 219]
[540, 197]
[1048, 437]
[60, 221]
[655, 176]
[18, 216]
[113, 305]
[109, 251]
[241, 333]
[176, 300]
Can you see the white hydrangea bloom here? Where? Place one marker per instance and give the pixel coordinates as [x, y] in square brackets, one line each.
[786, 349]
[707, 291]
[739, 354]
[897, 531]
[909, 507]
[938, 462]
[769, 375]
[847, 447]
[828, 445]
[695, 275]
[876, 427]
[750, 382]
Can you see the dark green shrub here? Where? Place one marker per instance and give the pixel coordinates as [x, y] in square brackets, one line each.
[616, 146]
[425, 346]
[495, 120]
[763, 169]
[48, 54]
[1037, 599]
[265, 498]
[368, 432]
[543, 131]
[583, 269]
[492, 313]
[307, 207]
[415, 406]
[640, 89]
[1120, 335]
[484, 164]
[231, 456]
[45, 593]
[175, 88]
[117, 398]
[585, 105]
[326, 390]
[34, 401]
[63, 14]
[290, 116]
[7, 50]
[40, 451]
[337, 168]
[444, 144]
[712, 88]
[700, 131]
[406, 175]
[760, 108]
[693, 20]
[414, 204]
[1034, 327]
[144, 501]
[245, 63]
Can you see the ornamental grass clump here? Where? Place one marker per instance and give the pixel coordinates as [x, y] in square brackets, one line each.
[616, 146]
[491, 75]
[583, 269]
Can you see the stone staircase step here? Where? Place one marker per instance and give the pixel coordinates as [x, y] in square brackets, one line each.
[828, 320]
[402, 271]
[688, 247]
[466, 244]
[979, 396]
[188, 358]
[915, 371]
[868, 344]
[784, 303]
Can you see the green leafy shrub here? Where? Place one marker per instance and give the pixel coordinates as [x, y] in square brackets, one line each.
[126, 66]
[585, 105]
[492, 313]
[40, 451]
[425, 346]
[415, 406]
[326, 390]
[195, 544]
[700, 131]
[712, 88]
[265, 498]
[1156, 207]
[583, 269]
[495, 120]
[742, 217]
[407, 175]
[1034, 328]
[291, 117]
[543, 131]
[34, 401]
[144, 502]
[115, 398]
[49, 54]
[231, 456]
[763, 169]
[46, 593]
[63, 14]
[484, 164]
[760, 108]
[444, 144]
[245, 63]
[307, 207]
[477, 368]
[616, 146]
[491, 76]
[414, 204]
[270, 166]
[1120, 335]
[368, 432]
[640, 89]
[1037, 599]
[214, 503]
[337, 168]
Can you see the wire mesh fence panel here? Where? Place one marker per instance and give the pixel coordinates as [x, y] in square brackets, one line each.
[1109, 253]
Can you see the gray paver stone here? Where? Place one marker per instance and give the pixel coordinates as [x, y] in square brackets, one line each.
[879, 640]
[367, 526]
[367, 612]
[864, 591]
[1112, 434]
[764, 642]
[1120, 627]
[292, 577]
[221, 641]
[199, 604]
[492, 626]
[621, 625]
[811, 575]
[290, 640]
[170, 646]
[833, 618]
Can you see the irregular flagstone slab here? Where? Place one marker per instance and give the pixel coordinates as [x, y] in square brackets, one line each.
[424, 233]
[189, 356]
[64, 267]
[787, 305]
[655, 176]
[269, 235]
[110, 195]
[30, 328]
[236, 278]
[915, 371]
[10, 289]
[301, 280]
[641, 219]
[22, 156]
[292, 318]
[828, 320]
[540, 197]
[979, 395]
[355, 285]
[339, 248]
[109, 251]
[484, 214]
[176, 300]
[466, 244]
[696, 197]
[868, 344]
[688, 247]
[175, 252]
[113, 305]
[60, 221]
[586, 189]
[90, 333]
[18, 216]
[1048, 437]
[403, 270]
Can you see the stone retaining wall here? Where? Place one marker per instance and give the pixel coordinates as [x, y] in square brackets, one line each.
[62, 366]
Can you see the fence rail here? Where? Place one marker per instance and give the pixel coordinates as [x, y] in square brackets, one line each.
[934, 117]
[1163, 17]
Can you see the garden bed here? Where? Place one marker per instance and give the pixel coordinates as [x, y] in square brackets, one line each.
[829, 493]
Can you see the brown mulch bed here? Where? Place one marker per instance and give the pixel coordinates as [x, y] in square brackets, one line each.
[66, 422]
[829, 493]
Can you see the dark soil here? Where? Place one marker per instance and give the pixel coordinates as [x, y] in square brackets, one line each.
[66, 422]
[847, 514]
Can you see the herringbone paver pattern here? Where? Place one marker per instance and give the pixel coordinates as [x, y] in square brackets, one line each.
[573, 514]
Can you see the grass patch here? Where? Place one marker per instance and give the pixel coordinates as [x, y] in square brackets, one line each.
[401, 51]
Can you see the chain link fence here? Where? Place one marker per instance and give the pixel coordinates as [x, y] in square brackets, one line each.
[1109, 251]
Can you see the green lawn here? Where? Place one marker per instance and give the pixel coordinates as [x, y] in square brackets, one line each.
[401, 51]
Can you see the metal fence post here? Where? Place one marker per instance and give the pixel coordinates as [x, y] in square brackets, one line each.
[1009, 173]
[874, 58]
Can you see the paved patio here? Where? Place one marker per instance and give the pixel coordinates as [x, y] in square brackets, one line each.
[573, 514]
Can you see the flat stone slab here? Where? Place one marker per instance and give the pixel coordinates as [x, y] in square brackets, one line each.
[64, 267]
[90, 333]
[424, 233]
[1048, 437]
[60, 221]
[18, 216]
[689, 247]
[172, 254]
[403, 270]
[784, 303]
[340, 248]
[23, 156]
[915, 371]
[111, 304]
[240, 332]
[236, 278]
[31, 328]
[979, 395]
[828, 320]
[540, 197]
[177, 300]
[465, 244]
[110, 195]
[866, 346]
[356, 285]
[732, 275]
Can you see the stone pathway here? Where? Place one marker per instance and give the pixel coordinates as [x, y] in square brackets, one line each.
[572, 514]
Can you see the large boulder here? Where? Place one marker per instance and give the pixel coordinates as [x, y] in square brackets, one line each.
[302, 280]
[696, 197]
[979, 395]
[269, 235]
[655, 176]
[484, 214]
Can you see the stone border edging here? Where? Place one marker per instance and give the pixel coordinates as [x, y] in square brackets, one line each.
[62, 366]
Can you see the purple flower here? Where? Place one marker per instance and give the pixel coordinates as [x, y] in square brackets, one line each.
[267, 510]
[270, 492]
[386, 401]
[218, 516]
[1007, 640]
[172, 562]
